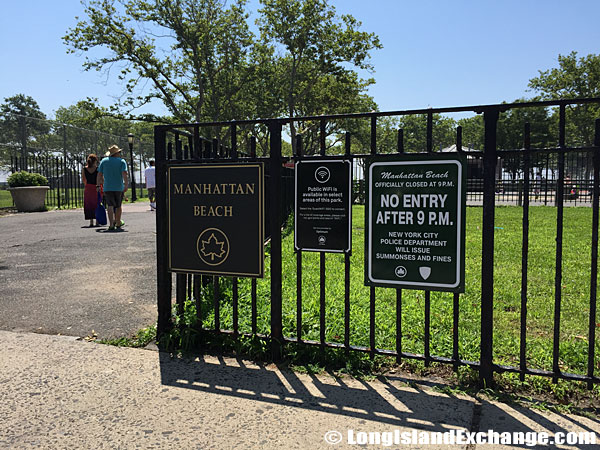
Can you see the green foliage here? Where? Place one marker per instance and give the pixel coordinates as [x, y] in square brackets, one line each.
[573, 78]
[415, 132]
[141, 339]
[23, 178]
[203, 62]
[194, 57]
[315, 72]
[22, 126]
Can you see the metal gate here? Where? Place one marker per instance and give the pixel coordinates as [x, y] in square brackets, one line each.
[238, 140]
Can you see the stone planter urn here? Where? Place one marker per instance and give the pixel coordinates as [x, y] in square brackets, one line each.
[29, 198]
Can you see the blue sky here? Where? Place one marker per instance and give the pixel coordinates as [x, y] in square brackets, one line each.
[436, 53]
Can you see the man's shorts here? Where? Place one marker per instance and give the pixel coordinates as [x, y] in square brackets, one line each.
[113, 198]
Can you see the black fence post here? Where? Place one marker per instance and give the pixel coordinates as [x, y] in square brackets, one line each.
[163, 280]
[133, 186]
[486, 371]
[275, 225]
[57, 183]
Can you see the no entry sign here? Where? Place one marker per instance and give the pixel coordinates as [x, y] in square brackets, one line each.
[415, 222]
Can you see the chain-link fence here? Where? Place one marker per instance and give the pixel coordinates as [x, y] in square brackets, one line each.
[59, 151]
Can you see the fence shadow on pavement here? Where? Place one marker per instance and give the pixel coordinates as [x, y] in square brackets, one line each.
[394, 401]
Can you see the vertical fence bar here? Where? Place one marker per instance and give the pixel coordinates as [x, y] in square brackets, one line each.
[456, 295]
[525, 252]
[560, 190]
[65, 180]
[141, 174]
[178, 148]
[233, 131]
[198, 300]
[372, 288]
[486, 370]
[216, 303]
[57, 183]
[429, 132]
[234, 281]
[594, 270]
[180, 291]
[163, 279]
[348, 149]
[275, 216]
[47, 173]
[322, 149]
[546, 179]
[190, 286]
[322, 299]
[400, 145]
[215, 148]
[427, 340]
[254, 312]
[235, 295]
[299, 265]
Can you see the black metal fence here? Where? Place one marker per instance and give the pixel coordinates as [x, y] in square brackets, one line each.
[59, 151]
[64, 179]
[556, 176]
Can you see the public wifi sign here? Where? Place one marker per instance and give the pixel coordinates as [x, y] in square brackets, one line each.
[415, 222]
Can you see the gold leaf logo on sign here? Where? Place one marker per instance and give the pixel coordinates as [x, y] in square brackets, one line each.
[213, 246]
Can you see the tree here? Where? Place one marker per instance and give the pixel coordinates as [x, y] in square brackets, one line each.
[573, 78]
[415, 132]
[319, 52]
[22, 124]
[85, 128]
[193, 54]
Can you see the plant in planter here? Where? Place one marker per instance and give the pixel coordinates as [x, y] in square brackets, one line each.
[28, 191]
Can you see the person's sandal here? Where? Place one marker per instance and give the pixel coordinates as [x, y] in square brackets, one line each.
[120, 224]
[111, 228]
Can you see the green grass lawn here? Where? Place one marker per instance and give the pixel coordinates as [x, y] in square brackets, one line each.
[5, 199]
[507, 294]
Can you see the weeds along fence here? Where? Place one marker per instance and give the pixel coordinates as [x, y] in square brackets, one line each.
[59, 152]
[529, 305]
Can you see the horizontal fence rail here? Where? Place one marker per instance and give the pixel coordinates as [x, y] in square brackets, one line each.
[525, 178]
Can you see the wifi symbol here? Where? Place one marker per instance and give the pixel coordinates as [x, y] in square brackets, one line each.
[322, 174]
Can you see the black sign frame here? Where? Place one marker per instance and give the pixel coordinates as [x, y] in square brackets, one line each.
[422, 161]
[212, 228]
[305, 234]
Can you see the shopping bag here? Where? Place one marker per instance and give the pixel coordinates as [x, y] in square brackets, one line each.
[100, 212]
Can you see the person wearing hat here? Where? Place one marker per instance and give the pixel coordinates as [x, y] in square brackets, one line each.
[112, 174]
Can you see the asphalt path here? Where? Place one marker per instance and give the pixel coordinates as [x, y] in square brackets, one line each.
[57, 276]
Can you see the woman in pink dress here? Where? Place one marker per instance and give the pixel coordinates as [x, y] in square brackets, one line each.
[89, 174]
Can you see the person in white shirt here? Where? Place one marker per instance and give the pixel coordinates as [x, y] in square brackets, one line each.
[151, 184]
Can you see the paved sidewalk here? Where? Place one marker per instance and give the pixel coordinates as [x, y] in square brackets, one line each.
[62, 393]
